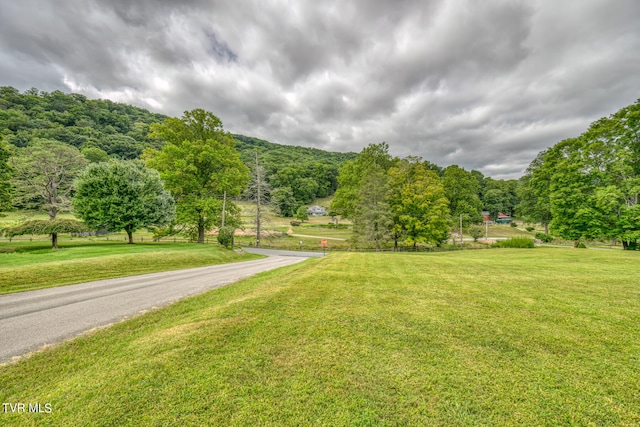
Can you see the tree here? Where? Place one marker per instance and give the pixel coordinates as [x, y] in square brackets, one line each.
[95, 155]
[198, 163]
[372, 216]
[122, 195]
[44, 176]
[494, 202]
[418, 201]
[461, 189]
[534, 191]
[6, 189]
[500, 196]
[592, 182]
[476, 232]
[45, 171]
[51, 227]
[352, 173]
[258, 192]
[284, 202]
[302, 214]
[225, 236]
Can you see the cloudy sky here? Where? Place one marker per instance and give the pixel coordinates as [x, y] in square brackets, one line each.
[483, 84]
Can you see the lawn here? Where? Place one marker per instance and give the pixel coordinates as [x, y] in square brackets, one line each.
[492, 337]
[34, 265]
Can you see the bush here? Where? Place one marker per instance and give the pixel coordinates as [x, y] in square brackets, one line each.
[513, 224]
[546, 238]
[225, 236]
[476, 233]
[581, 246]
[302, 214]
[530, 228]
[295, 223]
[516, 242]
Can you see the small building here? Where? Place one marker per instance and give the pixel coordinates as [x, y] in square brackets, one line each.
[503, 219]
[316, 211]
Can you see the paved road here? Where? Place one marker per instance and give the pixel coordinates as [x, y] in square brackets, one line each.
[280, 252]
[31, 320]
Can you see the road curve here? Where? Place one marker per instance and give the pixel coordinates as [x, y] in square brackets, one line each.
[31, 320]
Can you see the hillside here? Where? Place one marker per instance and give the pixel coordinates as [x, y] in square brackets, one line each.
[121, 131]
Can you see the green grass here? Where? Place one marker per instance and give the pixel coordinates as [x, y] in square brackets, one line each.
[27, 266]
[506, 337]
[321, 231]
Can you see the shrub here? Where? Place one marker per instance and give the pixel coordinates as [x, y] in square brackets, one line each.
[516, 242]
[546, 238]
[225, 236]
[302, 214]
[581, 246]
[513, 224]
[295, 223]
[476, 232]
[530, 228]
[338, 226]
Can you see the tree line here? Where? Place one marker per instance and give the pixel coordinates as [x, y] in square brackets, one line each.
[587, 187]
[412, 200]
[186, 172]
[177, 185]
[103, 130]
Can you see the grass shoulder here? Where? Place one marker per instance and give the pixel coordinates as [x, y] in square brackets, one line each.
[34, 265]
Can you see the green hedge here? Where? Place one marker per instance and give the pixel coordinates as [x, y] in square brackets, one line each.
[516, 242]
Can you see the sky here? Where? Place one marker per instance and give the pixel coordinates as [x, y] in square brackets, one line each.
[482, 84]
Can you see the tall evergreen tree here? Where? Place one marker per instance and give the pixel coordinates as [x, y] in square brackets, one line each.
[373, 219]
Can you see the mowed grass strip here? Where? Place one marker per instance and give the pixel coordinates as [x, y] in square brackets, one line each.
[25, 266]
[496, 337]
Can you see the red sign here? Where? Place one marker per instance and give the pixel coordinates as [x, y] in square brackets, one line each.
[324, 243]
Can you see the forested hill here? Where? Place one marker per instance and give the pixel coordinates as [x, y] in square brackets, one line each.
[118, 129]
[101, 128]
[308, 172]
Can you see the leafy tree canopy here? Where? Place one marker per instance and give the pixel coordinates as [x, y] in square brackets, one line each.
[198, 163]
[462, 189]
[352, 173]
[418, 201]
[52, 227]
[122, 195]
[590, 184]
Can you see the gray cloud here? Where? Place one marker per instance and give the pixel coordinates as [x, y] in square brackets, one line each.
[485, 85]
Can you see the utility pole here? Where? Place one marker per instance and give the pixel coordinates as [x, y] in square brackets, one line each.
[224, 207]
[259, 184]
[486, 230]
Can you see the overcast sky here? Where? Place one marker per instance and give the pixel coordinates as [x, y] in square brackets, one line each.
[482, 84]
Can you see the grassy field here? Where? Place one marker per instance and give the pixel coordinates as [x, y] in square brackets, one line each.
[34, 265]
[495, 337]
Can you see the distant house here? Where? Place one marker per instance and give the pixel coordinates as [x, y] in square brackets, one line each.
[503, 219]
[316, 211]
